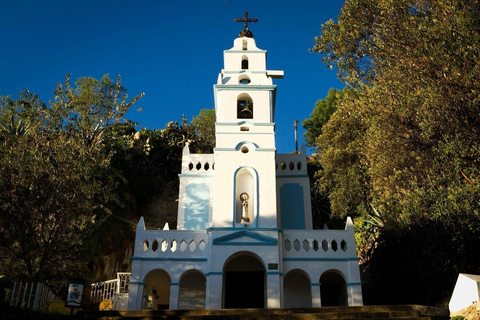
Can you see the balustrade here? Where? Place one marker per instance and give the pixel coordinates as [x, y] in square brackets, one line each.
[172, 243]
[307, 244]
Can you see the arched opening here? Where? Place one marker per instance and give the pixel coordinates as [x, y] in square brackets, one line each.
[296, 290]
[243, 282]
[244, 63]
[157, 290]
[333, 291]
[245, 199]
[244, 107]
[192, 291]
[244, 79]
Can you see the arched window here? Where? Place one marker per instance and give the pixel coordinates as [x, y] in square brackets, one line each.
[244, 107]
[244, 63]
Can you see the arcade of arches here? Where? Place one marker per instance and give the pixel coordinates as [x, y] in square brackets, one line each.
[244, 286]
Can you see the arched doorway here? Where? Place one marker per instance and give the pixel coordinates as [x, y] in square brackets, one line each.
[192, 290]
[296, 290]
[333, 291]
[157, 290]
[244, 282]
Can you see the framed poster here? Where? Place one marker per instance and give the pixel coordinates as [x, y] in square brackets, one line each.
[75, 293]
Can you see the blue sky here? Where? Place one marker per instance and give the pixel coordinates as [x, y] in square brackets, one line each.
[170, 49]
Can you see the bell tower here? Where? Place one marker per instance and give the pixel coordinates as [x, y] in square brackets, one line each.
[245, 150]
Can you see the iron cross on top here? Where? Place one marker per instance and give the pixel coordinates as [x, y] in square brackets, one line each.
[246, 20]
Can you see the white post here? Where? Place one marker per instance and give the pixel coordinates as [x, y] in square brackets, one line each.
[19, 292]
[316, 297]
[214, 291]
[23, 302]
[13, 292]
[174, 292]
[273, 290]
[37, 297]
[30, 295]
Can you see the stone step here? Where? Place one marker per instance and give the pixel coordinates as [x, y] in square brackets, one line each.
[405, 312]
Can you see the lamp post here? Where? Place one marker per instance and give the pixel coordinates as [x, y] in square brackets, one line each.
[295, 124]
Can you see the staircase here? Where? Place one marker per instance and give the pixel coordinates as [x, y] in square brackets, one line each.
[404, 312]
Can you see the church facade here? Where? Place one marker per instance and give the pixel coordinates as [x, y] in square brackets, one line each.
[244, 237]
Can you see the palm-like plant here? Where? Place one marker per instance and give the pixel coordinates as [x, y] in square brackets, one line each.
[14, 127]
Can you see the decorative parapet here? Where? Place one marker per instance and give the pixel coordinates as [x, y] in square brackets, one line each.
[320, 244]
[197, 164]
[292, 164]
[170, 244]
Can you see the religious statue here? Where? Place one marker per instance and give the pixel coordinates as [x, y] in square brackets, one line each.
[244, 198]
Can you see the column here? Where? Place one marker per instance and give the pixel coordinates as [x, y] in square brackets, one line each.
[136, 287]
[174, 293]
[214, 290]
[135, 295]
[354, 291]
[316, 298]
[273, 289]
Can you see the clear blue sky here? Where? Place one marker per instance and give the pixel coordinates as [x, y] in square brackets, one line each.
[170, 49]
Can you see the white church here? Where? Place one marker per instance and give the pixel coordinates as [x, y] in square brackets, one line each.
[244, 235]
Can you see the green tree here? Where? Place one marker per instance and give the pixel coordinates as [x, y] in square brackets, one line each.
[324, 108]
[418, 138]
[405, 149]
[56, 181]
[204, 126]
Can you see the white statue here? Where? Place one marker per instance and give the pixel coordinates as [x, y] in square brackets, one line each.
[244, 198]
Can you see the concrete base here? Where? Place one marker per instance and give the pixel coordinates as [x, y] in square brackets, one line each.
[403, 312]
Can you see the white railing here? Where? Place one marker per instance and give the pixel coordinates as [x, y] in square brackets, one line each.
[31, 295]
[198, 163]
[105, 290]
[171, 243]
[291, 164]
[318, 244]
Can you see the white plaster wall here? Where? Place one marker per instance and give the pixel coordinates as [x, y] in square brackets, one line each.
[227, 163]
[226, 102]
[256, 57]
[465, 293]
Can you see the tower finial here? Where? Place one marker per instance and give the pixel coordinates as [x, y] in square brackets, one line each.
[245, 32]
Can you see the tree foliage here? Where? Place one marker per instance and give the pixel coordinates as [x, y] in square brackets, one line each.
[320, 115]
[405, 146]
[412, 131]
[75, 176]
[56, 178]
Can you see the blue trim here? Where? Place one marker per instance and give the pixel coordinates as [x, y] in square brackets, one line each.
[137, 282]
[315, 284]
[250, 87]
[251, 123]
[321, 259]
[214, 273]
[246, 51]
[233, 149]
[244, 243]
[167, 259]
[261, 239]
[211, 229]
[174, 283]
[275, 273]
[353, 284]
